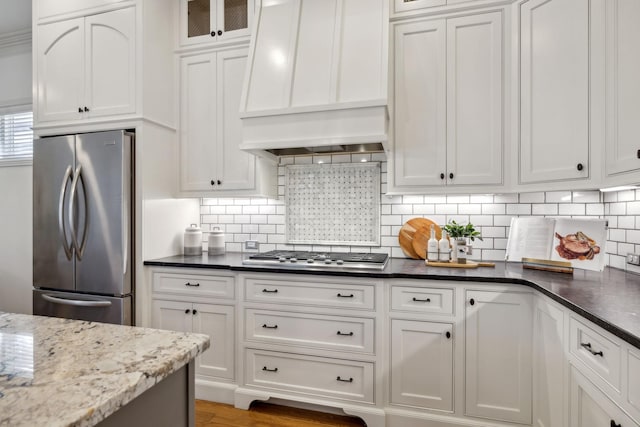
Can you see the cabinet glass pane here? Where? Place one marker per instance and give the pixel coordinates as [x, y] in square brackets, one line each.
[235, 14]
[199, 17]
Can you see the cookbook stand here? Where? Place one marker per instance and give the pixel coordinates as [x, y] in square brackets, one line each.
[547, 265]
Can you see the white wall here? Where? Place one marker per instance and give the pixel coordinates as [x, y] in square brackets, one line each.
[15, 190]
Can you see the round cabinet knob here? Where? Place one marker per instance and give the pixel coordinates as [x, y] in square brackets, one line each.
[327, 261]
[219, 32]
[79, 109]
[86, 110]
[213, 33]
[451, 175]
[580, 167]
[310, 261]
[472, 301]
[187, 311]
[293, 259]
[213, 182]
[219, 182]
[441, 176]
[448, 334]
[195, 312]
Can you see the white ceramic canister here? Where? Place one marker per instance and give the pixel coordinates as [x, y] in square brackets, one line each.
[216, 242]
[192, 240]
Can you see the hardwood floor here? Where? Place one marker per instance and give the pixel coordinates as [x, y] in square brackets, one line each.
[211, 414]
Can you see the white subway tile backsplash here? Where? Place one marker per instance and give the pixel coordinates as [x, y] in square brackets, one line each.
[558, 197]
[264, 219]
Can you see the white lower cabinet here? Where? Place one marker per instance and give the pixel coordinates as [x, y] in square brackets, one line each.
[213, 320]
[549, 364]
[422, 364]
[190, 301]
[498, 355]
[590, 406]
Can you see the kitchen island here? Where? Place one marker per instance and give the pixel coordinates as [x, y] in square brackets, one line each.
[61, 372]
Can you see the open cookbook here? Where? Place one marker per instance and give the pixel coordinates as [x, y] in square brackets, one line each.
[578, 241]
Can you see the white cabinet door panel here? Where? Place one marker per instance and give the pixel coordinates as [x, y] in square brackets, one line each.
[554, 90]
[110, 63]
[498, 355]
[216, 321]
[60, 70]
[623, 86]
[419, 152]
[422, 364]
[474, 99]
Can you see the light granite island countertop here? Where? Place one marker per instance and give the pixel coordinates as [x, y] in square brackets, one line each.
[61, 372]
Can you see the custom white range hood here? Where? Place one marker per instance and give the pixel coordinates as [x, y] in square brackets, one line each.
[317, 78]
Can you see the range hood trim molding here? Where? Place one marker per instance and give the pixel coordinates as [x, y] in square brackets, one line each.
[316, 108]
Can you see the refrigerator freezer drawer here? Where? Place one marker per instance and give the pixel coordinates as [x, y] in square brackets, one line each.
[93, 308]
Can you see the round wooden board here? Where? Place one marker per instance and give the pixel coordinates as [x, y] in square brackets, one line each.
[408, 231]
[421, 238]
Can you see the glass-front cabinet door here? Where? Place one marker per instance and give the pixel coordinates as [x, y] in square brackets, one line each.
[210, 21]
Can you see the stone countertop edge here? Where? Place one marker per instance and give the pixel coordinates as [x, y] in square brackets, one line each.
[610, 299]
[62, 372]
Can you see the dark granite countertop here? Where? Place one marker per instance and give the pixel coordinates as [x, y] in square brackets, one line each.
[610, 299]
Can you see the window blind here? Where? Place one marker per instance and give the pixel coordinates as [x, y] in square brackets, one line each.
[16, 136]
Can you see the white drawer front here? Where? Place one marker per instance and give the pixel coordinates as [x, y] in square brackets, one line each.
[596, 351]
[194, 284]
[318, 293]
[316, 376]
[423, 300]
[329, 332]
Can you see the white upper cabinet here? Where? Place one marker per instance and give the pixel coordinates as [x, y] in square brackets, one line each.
[554, 91]
[448, 103]
[86, 67]
[210, 129]
[214, 21]
[623, 88]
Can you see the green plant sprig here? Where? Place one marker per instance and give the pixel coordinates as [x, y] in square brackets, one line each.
[456, 230]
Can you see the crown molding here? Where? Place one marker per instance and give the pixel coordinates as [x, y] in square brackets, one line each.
[16, 38]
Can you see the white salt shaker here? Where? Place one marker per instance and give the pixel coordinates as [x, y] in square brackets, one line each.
[216, 244]
[192, 240]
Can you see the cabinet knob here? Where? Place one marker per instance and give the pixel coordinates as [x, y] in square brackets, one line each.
[450, 175]
[580, 167]
[472, 301]
[613, 424]
[448, 335]
[219, 32]
[213, 33]
[219, 182]
[195, 311]
[79, 109]
[187, 311]
[213, 182]
[638, 154]
[441, 176]
[86, 110]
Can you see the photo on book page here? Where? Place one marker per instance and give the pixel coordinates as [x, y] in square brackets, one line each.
[578, 241]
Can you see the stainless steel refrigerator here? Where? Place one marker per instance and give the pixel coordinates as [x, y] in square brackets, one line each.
[82, 227]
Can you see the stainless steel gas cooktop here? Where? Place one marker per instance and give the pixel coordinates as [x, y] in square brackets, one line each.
[304, 259]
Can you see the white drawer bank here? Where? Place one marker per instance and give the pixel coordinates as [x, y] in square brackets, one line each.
[401, 352]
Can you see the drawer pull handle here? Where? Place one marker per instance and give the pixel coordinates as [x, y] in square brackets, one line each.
[421, 300]
[350, 380]
[587, 346]
[268, 291]
[270, 327]
[193, 285]
[350, 334]
[613, 424]
[264, 368]
[345, 296]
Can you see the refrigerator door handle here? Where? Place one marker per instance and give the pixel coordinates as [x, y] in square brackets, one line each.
[75, 302]
[61, 228]
[74, 234]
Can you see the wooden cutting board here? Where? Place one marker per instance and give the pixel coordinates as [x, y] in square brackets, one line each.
[468, 264]
[408, 231]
